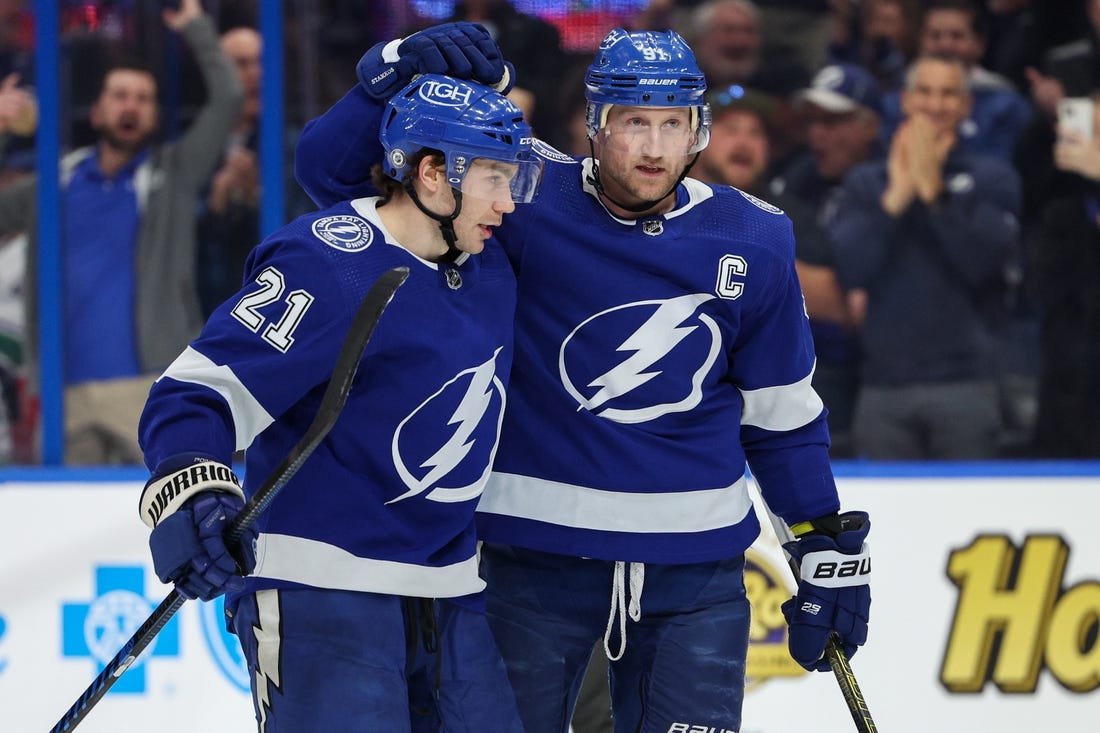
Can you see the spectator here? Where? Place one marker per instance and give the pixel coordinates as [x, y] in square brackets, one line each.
[999, 113]
[797, 29]
[18, 119]
[728, 43]
[738, 155]
[229, 218]
[1069, 69]
[1067, 277]
[128, 244]
[841, 109]
[879, 35]
[928, 233]
[1016, 39]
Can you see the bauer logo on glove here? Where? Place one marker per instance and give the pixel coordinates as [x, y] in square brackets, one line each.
[834, 570]
[833, 593]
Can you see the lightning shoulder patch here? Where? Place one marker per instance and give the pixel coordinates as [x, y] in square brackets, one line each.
[344, 232]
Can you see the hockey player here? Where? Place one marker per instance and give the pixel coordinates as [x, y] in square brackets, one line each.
[338, 615]
[661, 344]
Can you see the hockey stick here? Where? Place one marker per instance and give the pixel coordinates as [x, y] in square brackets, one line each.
[838, 660]
[332, 403]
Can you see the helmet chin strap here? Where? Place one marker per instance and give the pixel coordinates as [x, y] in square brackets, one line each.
[594, 180]
[446, 223]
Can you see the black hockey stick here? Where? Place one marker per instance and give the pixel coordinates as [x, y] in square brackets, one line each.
[838, 660]
[332, 402]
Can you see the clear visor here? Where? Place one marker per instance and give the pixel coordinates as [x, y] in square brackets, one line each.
[500, 181]
[662, 136]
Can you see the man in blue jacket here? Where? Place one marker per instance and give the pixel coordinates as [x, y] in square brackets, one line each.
[928, 233]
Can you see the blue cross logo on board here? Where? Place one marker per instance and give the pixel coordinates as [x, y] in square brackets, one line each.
[99, 628]
[3, 630]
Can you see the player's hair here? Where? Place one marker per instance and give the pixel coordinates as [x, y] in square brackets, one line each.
[390, 188]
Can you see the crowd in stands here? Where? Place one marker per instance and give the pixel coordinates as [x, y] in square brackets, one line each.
[947, 218]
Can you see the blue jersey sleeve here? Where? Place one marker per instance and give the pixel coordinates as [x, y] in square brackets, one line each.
[773, 364]
[260, 353]
[336, 151]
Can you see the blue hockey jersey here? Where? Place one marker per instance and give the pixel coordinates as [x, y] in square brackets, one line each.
[386, 502]
[654, 359]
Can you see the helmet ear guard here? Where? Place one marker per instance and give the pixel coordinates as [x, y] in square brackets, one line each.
[646, 69]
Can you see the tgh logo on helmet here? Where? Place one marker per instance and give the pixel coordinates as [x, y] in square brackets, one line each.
[445, 94]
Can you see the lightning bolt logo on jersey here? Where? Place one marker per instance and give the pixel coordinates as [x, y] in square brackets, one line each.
[457, 471]
[638, 386]
[648, 370]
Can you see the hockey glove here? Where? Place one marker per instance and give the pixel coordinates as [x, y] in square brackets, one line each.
[462, 50]
[833, 594]
[189, 509]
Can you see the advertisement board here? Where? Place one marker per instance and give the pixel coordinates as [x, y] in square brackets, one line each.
[985, 613]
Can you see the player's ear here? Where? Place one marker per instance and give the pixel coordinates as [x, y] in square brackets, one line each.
[431, 172]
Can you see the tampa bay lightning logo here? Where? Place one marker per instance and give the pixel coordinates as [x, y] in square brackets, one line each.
[761, 203]
[631, 384]
[445, 447]
[343, 232]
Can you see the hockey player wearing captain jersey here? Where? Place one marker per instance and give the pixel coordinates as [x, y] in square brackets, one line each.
[362, 601]
[661, 345]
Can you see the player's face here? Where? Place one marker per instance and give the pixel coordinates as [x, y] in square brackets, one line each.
[738, 150]
[642, 151]
[486, 198]
[125, 115]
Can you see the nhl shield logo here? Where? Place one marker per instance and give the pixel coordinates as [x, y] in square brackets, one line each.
[454, 278]
[653, 227]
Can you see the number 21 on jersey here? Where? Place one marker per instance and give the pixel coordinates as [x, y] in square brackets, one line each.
[272, 287]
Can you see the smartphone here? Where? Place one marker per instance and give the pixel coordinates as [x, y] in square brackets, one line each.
[1075, 115]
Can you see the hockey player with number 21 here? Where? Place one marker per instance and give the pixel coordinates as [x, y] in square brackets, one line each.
[363, 588]
[661, 344]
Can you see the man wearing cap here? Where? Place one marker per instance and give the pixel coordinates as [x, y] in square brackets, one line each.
[842, 110]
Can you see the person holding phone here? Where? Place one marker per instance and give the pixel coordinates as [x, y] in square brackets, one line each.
[1067, 273]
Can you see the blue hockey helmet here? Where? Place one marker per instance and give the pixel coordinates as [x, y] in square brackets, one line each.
[646, 69]
[465, 121]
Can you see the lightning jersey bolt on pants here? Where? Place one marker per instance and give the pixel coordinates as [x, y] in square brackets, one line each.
[381, 516]
[656, 359]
